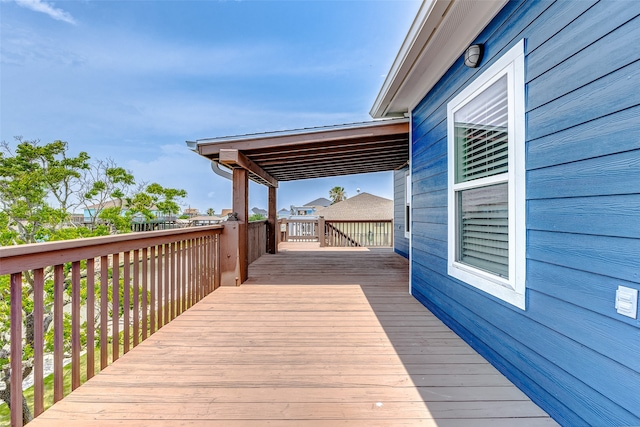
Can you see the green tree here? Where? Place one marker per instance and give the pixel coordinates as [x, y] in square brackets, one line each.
[143, 205]
[257, 217]
[103, 183]
[29, 176]
[39, 185]
[337, 194]
[211, 212]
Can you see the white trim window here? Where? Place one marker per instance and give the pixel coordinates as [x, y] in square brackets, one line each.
[486, 191]
[407, 205]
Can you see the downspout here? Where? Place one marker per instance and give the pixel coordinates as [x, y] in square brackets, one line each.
[217, 169]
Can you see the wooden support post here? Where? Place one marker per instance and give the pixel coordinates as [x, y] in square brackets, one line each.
[272, 244]
[229, 254]
[321, 232]
[241, 207]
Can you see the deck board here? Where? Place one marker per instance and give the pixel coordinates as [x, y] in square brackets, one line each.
[313, 338]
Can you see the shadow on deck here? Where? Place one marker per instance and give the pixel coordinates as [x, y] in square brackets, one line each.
[352, 349]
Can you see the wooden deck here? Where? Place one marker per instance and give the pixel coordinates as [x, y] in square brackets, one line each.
[314, 338]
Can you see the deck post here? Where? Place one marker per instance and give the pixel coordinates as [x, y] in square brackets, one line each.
[321, 232]
[229, 254]
[272, 244]
[241, 208]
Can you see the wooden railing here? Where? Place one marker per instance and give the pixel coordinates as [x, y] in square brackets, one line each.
[257, 236]
[299, 230]
[338, 233]
[124, 287]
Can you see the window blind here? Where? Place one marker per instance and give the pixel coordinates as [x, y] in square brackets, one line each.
[481, 135]
[484, 228]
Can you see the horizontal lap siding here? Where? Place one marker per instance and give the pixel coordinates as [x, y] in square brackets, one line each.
[570, 350]
[400, 243]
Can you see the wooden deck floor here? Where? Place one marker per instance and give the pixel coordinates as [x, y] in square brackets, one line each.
[314, 338]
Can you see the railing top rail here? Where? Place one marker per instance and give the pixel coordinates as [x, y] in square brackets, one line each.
[14, 259]
[358, 220]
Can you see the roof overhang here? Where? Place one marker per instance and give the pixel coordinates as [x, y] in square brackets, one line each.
[439, 35]
[375, 146]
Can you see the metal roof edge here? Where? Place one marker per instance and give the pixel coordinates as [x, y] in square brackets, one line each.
[304, 131]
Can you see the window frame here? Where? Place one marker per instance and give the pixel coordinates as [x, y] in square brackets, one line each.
[407, 205]
[513, 288]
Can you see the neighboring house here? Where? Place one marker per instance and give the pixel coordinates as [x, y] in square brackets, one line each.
[365, 219]
[191, 212]
[284, 213]
[205, 220]
[319, 203]
[258, 211]
[226, 212]
[523, 192]
[311, 208]
[302, 210]
[363, 207]
[94, 210]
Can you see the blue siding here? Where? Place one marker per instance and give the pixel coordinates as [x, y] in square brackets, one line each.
[400, 243]
[569, 351]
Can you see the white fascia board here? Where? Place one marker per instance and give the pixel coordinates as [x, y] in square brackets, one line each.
[423, 25]
[441, 32]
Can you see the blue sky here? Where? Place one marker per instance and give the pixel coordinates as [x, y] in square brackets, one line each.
[133, 80]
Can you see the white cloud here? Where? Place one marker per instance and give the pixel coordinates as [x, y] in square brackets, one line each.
[48, 9]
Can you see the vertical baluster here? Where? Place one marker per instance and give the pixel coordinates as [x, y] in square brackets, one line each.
[104, 311]
[186, 274]
[195, 270]
[207, 240]
[115, 307]
[175, 285]
[136, 297]
[212, 263]
[91, 329]
[126, 301]
[160, 294]
[205, 285]
[203, 255]
[217, 282]
[199, 267]
[209, 275]
[192, 275]
[182, 267]
[152, 290]
[179, 296]
[38, 341]
[167, 283]
[205, 265]
[145, 291]
[16, 349]
[58, 332]
[75, 325]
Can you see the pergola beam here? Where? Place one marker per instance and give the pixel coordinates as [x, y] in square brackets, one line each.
[235, 159]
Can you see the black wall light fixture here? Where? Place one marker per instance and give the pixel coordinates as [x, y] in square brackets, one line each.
[473, 55]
